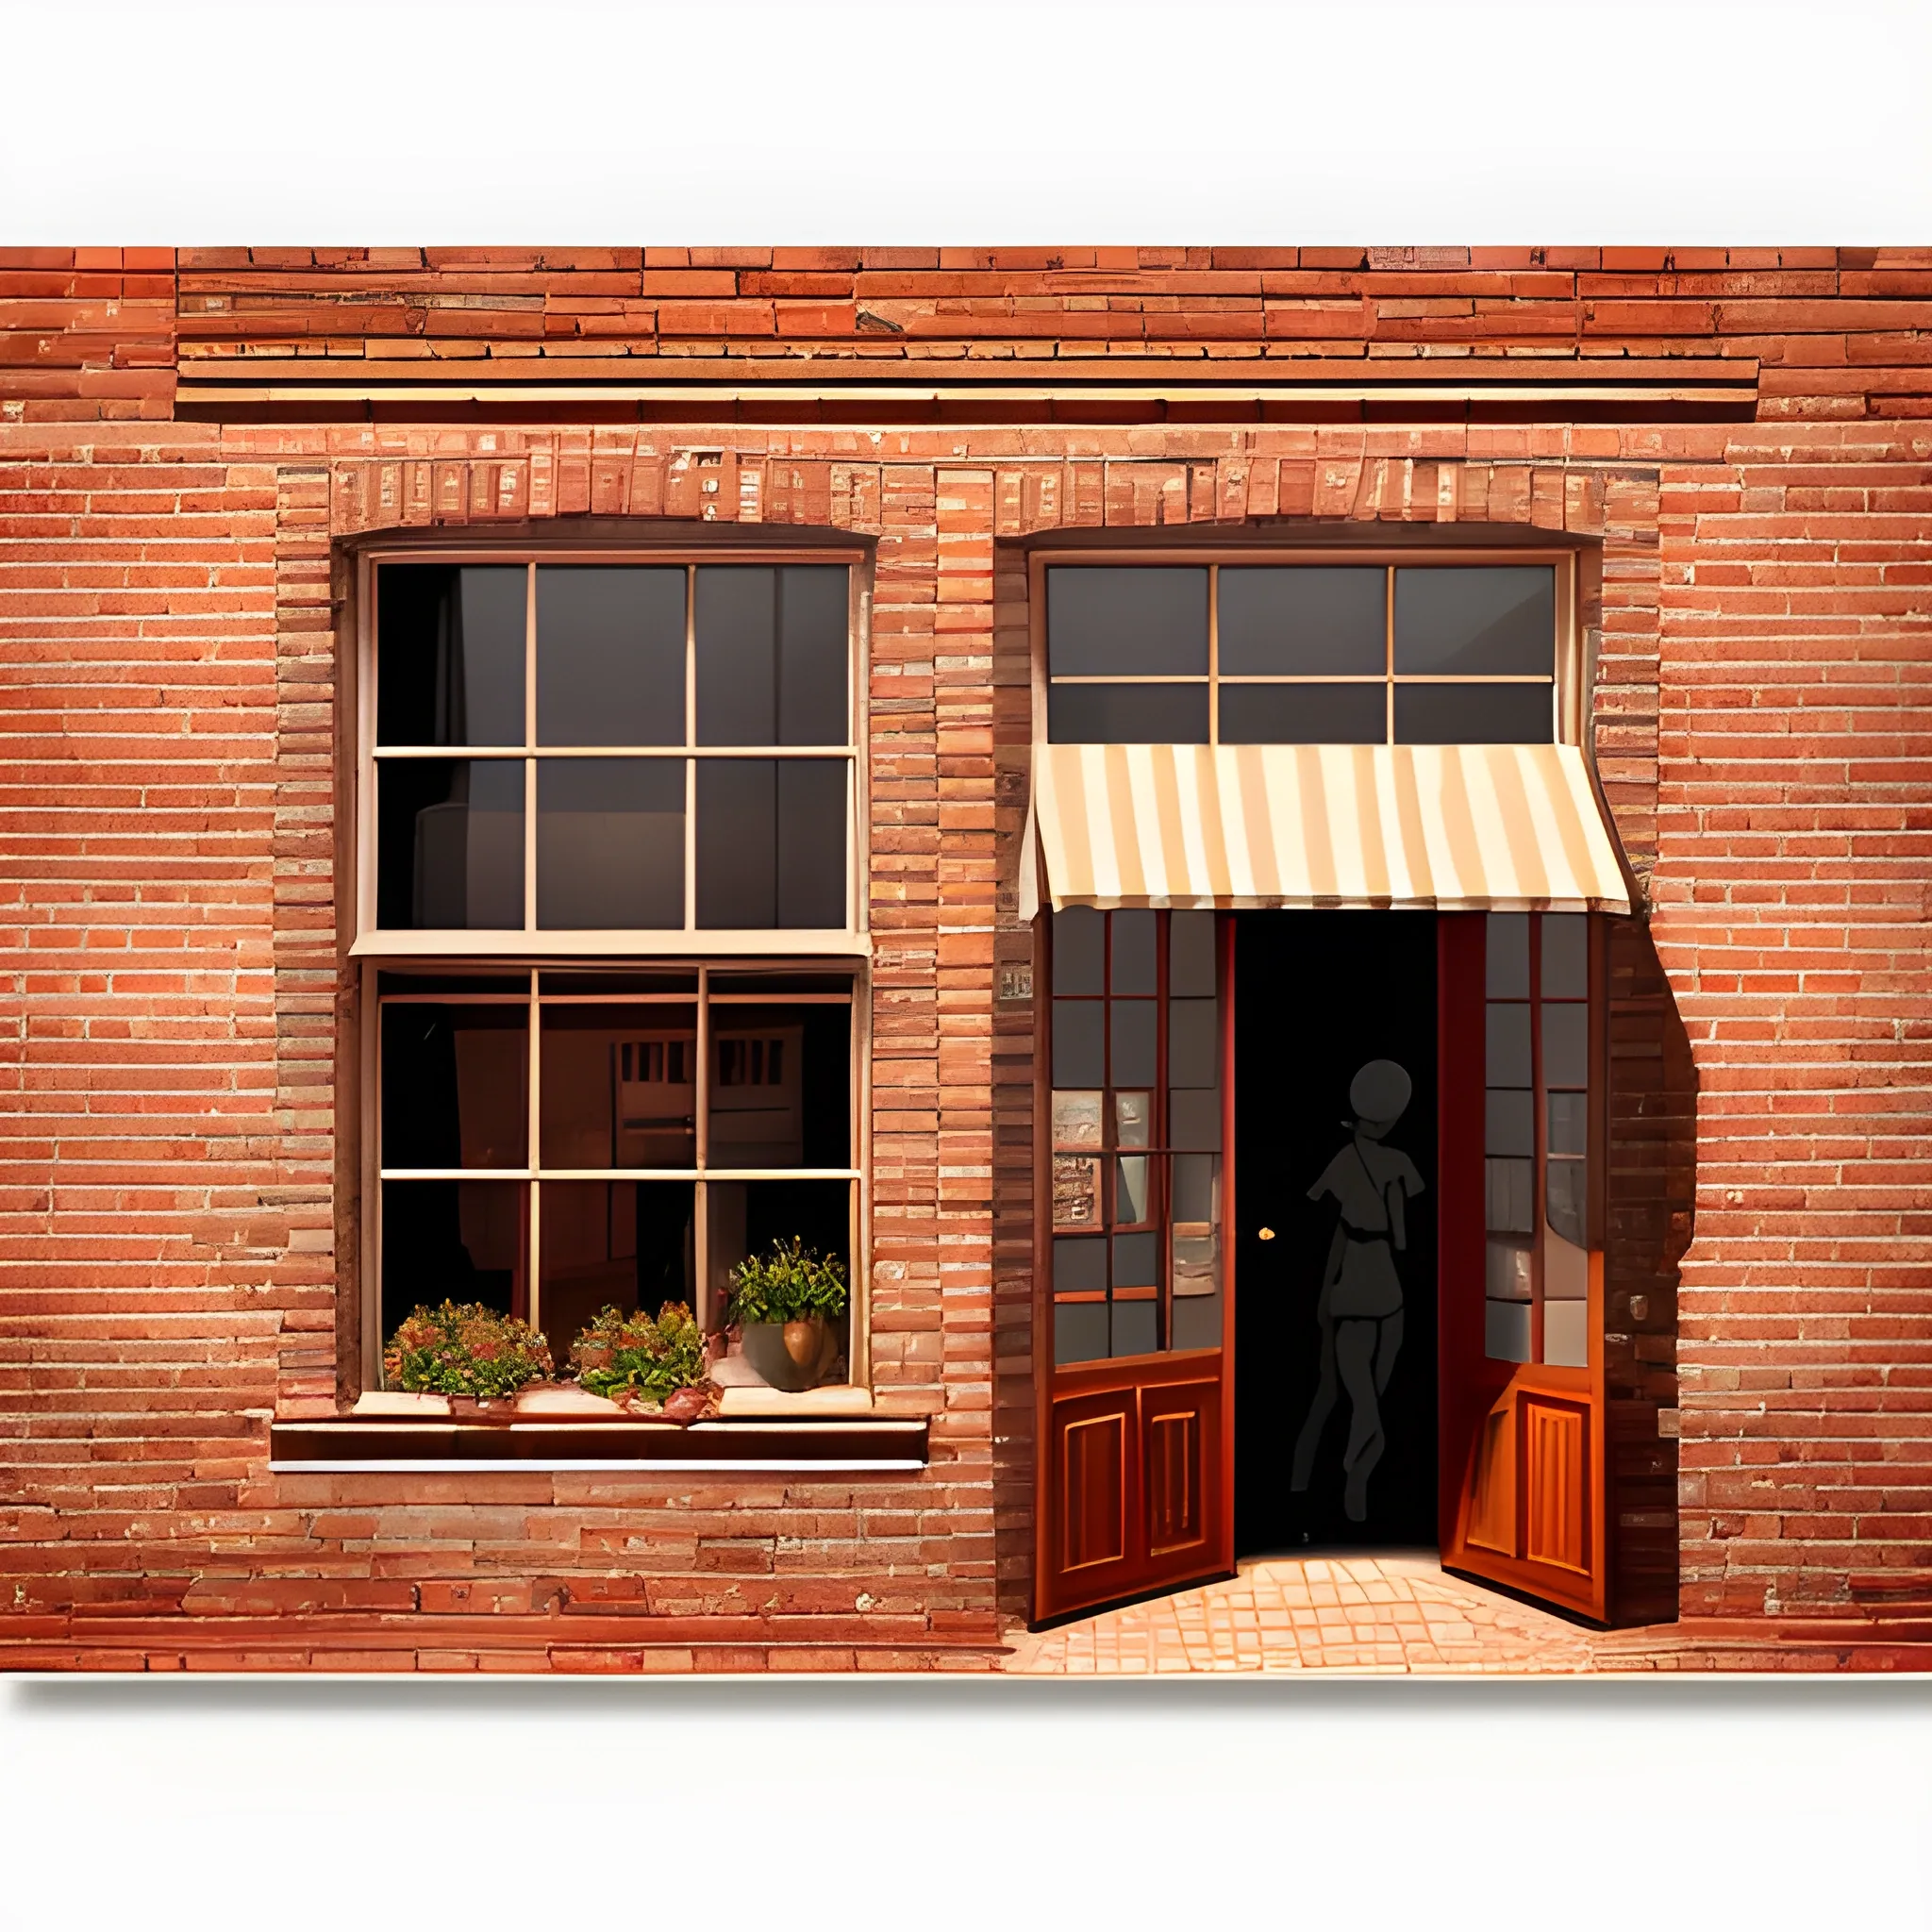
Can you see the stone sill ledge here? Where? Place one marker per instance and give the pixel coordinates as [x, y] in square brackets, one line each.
[806, 1437]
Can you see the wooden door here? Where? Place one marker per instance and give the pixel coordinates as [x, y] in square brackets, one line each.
[1521, 1253]
[1133, 1325]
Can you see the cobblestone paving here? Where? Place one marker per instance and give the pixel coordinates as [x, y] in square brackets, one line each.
[1359, 1612]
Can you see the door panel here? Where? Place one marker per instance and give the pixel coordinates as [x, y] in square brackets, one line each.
[1135, 1173]
[1522, 1471]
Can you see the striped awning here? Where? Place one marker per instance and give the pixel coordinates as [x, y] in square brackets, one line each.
[1459, 827]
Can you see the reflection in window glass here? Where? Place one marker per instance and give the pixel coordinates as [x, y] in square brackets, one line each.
[1302, 621]
[449, 843]
[449, 654]
[1490, 620]
[619, 1086]
[1133, 1119]
[455, 1089]
[610, 656]
[781, 1086]
[609, 843]
[1109, 622]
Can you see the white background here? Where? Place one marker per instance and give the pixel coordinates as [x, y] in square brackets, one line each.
[983, 1805]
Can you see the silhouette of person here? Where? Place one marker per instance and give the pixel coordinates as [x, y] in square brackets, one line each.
[1359, 1308]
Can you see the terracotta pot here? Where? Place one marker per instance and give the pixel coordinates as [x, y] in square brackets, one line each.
[792, 1355]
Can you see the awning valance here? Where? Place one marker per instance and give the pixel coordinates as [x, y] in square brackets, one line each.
[1455, 828]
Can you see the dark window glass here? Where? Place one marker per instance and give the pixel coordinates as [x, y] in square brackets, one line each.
[1304, 714]
[1507, 1120]
[611, 1244]
[1133, 954]
[1194, 1117]
[770, 841]
[1079, 941]
[1127, 713]
[1566, 955]
[455, 1086]
[759, 982]
[610, 656]
[618, 1086]
[617, 982]
[1566, 1194]
[1566, 1045]
[453, 1241]
[1304, 623]
[1107, 621]
[1507, 955]
[1076, 1037]
[772, 654]
[609, 843]
[1079, 1266]
[1191, 955]
[449, 843]
[1079, 1332]
[1477, 621]
[781, 1087]
[1136, 1327]
[1506, 1054]
[399, 979]
[1132, 1033]
[1136, 1261]
[1191, 1056]
[449, 654]
[1474, 714]
[814, 651]
[1569, 1115]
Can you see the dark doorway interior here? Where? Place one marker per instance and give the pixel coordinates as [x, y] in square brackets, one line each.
[1318, 997]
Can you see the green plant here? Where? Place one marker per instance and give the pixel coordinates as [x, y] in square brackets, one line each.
[463, 1348]
[618, 1353]
[788, 1284]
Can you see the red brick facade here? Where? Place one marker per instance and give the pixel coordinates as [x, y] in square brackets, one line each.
[189, 453]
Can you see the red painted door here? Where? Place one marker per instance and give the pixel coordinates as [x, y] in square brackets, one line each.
[1521, 1359]
[1134, 1313]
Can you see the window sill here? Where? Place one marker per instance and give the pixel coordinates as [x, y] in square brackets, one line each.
[829, 1429]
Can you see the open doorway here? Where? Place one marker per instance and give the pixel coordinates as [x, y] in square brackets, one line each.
[1336, 1201]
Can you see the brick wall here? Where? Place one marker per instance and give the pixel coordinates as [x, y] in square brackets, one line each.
[171, 1183]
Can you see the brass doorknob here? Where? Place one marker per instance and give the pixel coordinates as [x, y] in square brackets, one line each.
[1266, 1234]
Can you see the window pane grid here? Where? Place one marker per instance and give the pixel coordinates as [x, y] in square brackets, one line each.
[448, 841]
[1487, 615]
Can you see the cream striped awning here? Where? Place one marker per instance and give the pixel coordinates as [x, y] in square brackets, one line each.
[1454, 827]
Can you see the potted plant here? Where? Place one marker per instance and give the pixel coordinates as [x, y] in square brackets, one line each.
[464, 1351]
[785, 1302]
[642, 1359]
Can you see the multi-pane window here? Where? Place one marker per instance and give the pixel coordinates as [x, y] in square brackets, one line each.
[590, 748]
[1327, 653]
[551, 1142]
[1136, 1133]
[1537, 1132]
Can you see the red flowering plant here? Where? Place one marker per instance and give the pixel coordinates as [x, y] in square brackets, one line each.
[640, 1357]
[463, 1348]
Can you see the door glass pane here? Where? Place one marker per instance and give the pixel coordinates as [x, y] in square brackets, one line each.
[1193, 1117]
[1509, 1120]
[1077, 1043]
[1566, 1045]
[1191, 1060]
[611, 1244]
[1511, 1186]
[1136, 1261]
[1474, 621]
[453, 1241]
[1079, 1267]
[1567, 1202]
[1079, 1332]
[1130, 1198]
[1076, 1117]
[1133, 1119]
[618, 1086]
[1302, 623]
[1569, 1124]
[1127, 713]
[1507, 955]
[1133, 953]
[1103, 622]
[781, 1087]
[449, 654]
[1135, 1327]
[610, 843]
[1566, 1335]
[610, 656]
[1079, 950]
[1076, 1190]
[1304, 713]
[1505, 1044]
[1505, 1331]
[1566, 955]
[455, 1086]
[1508, 1270]
[1475, 714]
[1191, 955]
[449, 835]
[1132, 1031]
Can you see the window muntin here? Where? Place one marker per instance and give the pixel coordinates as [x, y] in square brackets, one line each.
[549, 1141]
[1353, 653]
[578, 748]
[1135, 1131]
[1536, 1137]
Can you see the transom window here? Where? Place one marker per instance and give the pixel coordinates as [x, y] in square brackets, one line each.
[1136, 1133]
[553, 1142]
[1305, 653]
[575, 750]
